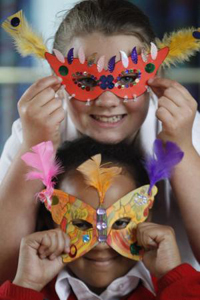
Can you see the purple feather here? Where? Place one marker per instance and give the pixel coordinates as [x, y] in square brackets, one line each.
[111, 64]
[160, 165]
[70, 56]
[134, 55]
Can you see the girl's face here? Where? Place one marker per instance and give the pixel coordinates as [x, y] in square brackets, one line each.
[104, 264]
[108, 119]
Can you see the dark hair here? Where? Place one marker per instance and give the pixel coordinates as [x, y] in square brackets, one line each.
[109, 17]
[72, 154]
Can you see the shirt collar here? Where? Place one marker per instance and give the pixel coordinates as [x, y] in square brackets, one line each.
[117, 289]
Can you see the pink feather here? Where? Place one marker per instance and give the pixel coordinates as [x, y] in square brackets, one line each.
[42, 159]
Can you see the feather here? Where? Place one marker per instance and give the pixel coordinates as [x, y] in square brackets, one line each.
[124, 59]
[134, 55]
[160, 165]
[98, 176]
[91, 59]
[154, 51]
[42, 160]
[182, 45]
[70, 56]
[81, 55]
[27, 42]
[59, 55]
[101, 63]
[111, 64]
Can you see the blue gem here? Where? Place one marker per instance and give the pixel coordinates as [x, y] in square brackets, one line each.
[86, 238]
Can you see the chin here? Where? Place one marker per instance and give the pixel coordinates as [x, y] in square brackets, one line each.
[108, 138]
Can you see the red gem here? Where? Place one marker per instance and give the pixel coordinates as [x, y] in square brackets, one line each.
[88, 88]
[119, 87]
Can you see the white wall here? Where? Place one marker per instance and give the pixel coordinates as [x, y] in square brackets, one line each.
[47, 16]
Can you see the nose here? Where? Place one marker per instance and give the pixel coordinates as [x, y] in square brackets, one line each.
[102, 246]
[107, 99]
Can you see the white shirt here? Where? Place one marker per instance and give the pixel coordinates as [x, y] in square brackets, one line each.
[118, 288]
[166, 210]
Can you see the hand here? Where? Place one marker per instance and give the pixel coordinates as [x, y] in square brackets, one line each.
[161, 250]
[40, 258]
[176, 110]
[41, 113]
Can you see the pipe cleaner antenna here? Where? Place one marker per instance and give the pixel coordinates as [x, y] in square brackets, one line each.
[182, 45]
[42, 160]
[26, 40]
[161, 164]
[97, 175]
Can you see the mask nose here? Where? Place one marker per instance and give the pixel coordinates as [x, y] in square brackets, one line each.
[107, 99]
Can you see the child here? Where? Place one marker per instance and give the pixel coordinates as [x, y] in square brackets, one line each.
[100, 270]
[105, 27]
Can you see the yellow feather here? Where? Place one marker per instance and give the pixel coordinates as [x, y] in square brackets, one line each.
[182, 45]
[97, 176]
[26, 41]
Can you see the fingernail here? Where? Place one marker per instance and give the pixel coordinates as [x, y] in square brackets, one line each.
[60, 79]
[150, 80]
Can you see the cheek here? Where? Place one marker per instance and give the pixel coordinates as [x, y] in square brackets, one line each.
[139, 108]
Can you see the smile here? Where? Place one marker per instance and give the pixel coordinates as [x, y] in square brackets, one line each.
[110, 119]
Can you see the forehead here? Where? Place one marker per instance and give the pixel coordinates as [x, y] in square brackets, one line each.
[74, 184]
[106, 45]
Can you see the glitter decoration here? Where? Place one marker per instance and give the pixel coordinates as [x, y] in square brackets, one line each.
[102, 224]
[81, 55]
[73, 251]
[134, 55]
[70, 56]
[63, 70]
[154, 51]
[111, 64]
[150, 68]
[86, 238]
[124, 59]
[144, 55]
[91, 59]
[59, 55]
[106, 82]
[140, 199]
[15, 22]
[101, 63]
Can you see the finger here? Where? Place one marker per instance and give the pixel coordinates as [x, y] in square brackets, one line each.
[57, 116]
[42, 98]
[39, 86]
[60, 245]
[164, 116]
[164, 83]
[45, 244]
[169, 105]
[52, 106]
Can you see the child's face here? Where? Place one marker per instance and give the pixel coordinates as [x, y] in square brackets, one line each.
[108, 119]
[100, 266]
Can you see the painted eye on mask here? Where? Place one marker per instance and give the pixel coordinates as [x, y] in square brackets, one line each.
[121, 223]
[87, 82]
[82, 224]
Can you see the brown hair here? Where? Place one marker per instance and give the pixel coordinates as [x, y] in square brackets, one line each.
[109, 17]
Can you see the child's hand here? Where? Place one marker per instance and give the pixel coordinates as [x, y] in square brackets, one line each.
[161, 250]
[40, 258]
[41, 113]
[176, 110]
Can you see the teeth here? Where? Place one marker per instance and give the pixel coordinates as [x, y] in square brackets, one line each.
[113, 119]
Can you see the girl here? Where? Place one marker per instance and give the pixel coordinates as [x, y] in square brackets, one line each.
[103, 27]
[102, 272]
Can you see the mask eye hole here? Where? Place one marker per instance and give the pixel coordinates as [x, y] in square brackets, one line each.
[121, 223]
[82, 224]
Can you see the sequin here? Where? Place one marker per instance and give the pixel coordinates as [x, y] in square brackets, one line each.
[196, 34]
[150, 68]
[15, 22]
[55, 200]
[63, 70]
